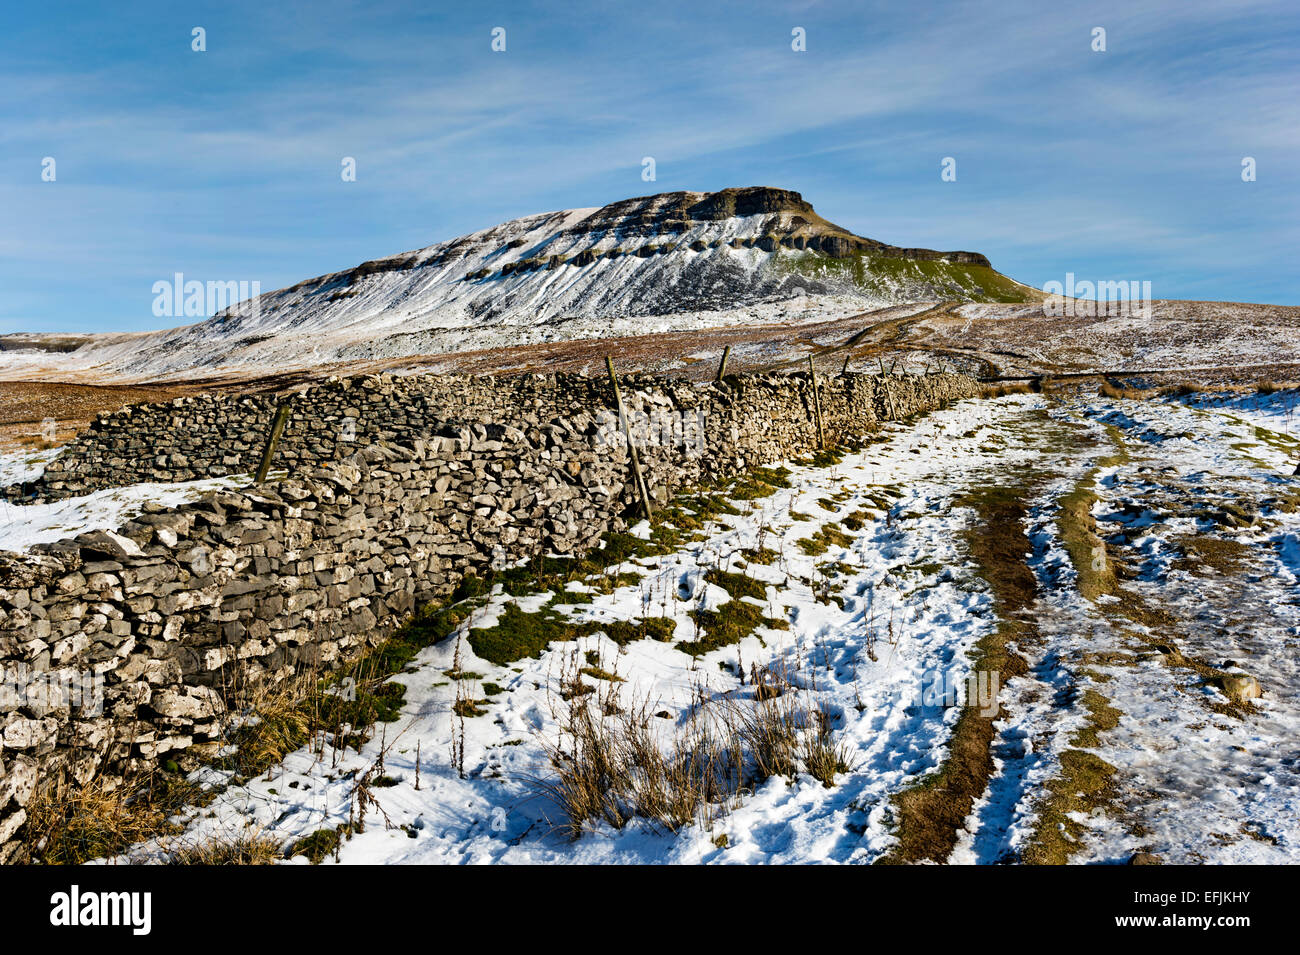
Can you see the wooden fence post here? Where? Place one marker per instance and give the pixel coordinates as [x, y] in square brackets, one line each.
[886, 382]
[817, 404]
[282, 410]
[642, 491]
[722, 366]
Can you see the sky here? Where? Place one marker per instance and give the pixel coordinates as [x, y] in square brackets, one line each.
[226, 164]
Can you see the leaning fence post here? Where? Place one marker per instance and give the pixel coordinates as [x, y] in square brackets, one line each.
[642, 491]
[817, 404]
[282, 410]
[722, 366]
[886, 383]
[845, 369]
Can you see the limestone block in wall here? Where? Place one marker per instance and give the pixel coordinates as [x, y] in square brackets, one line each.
[18, 774]
[186, 702]
[9, 826]
[21, 732]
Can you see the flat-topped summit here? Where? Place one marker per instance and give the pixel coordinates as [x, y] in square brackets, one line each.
[682, 208]
[787, 220]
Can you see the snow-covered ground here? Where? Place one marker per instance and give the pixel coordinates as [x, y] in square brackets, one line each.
[22, 525]
[1172, 334]
[872, 620]
[1278, 413]
[1205, 511]
[24, 465]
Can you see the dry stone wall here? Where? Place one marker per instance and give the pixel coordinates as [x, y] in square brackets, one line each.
[120, 647]
[220, 435]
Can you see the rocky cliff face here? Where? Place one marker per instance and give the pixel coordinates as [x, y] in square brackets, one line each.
[788, 221]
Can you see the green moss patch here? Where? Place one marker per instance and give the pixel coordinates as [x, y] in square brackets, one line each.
[518, 634]
[597, 673]
[823, 540]
[759, 555]
[825, 458]
[758, 483]
[318, 845]
[728, 625]
[1084, 784]
[624, 632]
[1202, 552]
[856, 520]
[467, 708]
[737, 585]
[1101, 717]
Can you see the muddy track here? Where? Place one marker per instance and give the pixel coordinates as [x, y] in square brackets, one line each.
[890, 336]
[894, 325]
[931, 814]
[962, 799]
[1127, 714]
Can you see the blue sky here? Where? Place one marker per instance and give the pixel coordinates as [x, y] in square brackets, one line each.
[224, 165]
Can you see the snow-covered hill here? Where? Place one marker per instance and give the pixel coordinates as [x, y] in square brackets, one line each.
[680, 260]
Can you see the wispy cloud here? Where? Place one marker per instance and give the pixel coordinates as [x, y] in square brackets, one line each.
[226, 163]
